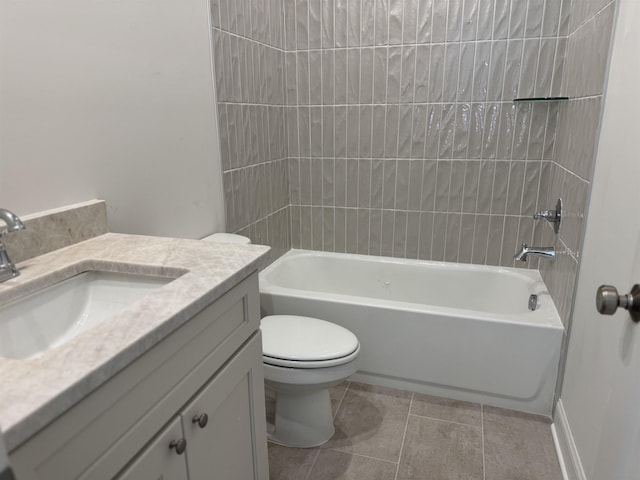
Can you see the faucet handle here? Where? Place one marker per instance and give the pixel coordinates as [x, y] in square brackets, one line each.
[548, 214]
[552, 216]
[12, 220]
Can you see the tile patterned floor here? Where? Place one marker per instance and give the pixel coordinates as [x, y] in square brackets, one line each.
[387, 434]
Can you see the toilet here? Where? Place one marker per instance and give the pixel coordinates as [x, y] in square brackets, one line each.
[303, 357]
[227, 238]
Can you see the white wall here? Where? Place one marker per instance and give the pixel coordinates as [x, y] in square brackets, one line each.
[111, 99]
[599, 412]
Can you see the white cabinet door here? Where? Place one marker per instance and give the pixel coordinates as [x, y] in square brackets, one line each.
[231, 444]
[158, 461]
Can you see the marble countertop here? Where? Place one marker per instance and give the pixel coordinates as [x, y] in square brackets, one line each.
[35, 391]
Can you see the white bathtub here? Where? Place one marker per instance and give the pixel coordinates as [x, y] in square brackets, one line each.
[453, 330]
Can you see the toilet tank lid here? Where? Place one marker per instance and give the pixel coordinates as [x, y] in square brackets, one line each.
[292, 337]
[227, 238]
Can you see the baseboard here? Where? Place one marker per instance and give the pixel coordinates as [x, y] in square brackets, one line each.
[566, 447]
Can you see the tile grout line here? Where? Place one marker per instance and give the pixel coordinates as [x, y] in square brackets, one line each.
[342, 399]
[484, 469]
[404, 435]
[313, 464]
[445, 421]
[353, 454]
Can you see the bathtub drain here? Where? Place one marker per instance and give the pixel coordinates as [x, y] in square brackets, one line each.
[533, 301]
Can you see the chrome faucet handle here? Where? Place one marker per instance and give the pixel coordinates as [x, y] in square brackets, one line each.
[8, 269]
[545, 214]
[552, 216]
[12, 220]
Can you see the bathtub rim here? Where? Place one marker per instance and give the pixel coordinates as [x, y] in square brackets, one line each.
[546, 316]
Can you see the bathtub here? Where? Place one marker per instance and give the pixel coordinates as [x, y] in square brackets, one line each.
[453, 330]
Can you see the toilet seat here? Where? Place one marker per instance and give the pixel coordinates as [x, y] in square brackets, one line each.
[302, 342]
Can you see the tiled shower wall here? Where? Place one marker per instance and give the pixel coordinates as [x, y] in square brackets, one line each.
[248, 57]
[402, 134]
[570, 171]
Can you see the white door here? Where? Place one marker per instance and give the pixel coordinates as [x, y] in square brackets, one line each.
[601, 388]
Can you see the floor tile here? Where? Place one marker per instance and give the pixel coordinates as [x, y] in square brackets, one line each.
[518, 446]
[288, 463]
[337, 393]
[333, 465]
[439, 450]
[371, 421]
[446, 409]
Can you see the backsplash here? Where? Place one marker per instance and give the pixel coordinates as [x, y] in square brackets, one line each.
[53, 229]
[402, 135]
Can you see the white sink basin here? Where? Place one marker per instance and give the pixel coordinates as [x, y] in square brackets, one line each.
[50, 317]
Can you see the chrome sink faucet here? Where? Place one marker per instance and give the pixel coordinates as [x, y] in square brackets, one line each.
[7, 268]
[525, 251]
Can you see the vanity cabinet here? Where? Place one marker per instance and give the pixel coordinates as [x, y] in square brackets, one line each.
[157, 461]
[192, 407]
[213, 434]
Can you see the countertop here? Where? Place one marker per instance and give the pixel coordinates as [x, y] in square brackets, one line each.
[35, 391]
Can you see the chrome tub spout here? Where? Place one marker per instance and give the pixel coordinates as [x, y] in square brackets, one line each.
[525, 251]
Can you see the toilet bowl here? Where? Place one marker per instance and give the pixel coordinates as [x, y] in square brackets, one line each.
[303, 357]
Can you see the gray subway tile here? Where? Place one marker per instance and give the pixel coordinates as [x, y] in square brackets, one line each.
[439, 21]
[400, 234]
[480, 239]
[328, 229]
[328, 37]
[375, 232]
[364, 183]
[315, 22]
[439, 236]
[386, 240]
[353, 23]
[394, 72]
[424, 31]
[367, 23]
[353, 76]
[465, 249]
[413, 235]
[341, 23]
[403, 170]
[328, 78]
[454, 20]
[466, 74]
[381, 22]
[340, 230]
[485, 19]
[452, 241]
[408, 76]
[395, 21]
[366, 76]
[426, 234]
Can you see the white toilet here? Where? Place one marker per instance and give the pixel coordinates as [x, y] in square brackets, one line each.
[303, 357]
[227, 238]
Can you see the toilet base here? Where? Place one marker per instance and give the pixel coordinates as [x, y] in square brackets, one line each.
[302, 418]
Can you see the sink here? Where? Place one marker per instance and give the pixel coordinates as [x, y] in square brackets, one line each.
[50, 317]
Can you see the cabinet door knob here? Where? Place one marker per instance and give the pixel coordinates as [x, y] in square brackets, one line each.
[201, 420]
[179, 446]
